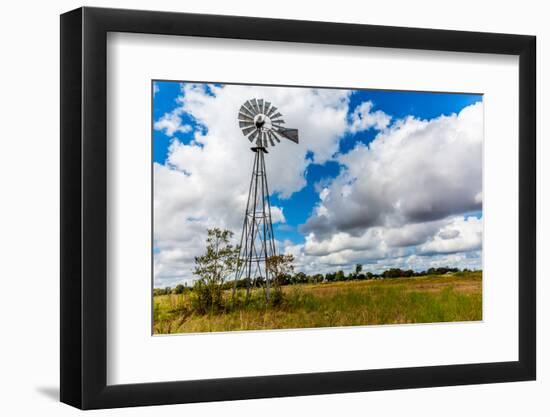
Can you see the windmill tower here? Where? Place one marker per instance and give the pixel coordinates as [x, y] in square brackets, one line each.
[262, 124]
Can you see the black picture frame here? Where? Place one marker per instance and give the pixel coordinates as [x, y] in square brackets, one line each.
[84, 207]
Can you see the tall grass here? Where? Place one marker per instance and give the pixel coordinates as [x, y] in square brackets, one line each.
[392, 301]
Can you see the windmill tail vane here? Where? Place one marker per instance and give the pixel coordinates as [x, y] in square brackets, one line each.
[262, 124]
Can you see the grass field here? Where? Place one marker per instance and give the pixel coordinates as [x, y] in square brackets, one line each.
[428, 299]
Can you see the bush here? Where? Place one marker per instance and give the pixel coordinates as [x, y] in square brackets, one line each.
[207, 297]
[276, 296]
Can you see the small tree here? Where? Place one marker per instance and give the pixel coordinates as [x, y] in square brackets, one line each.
[358, 269]
[213, 268]
[279, 267]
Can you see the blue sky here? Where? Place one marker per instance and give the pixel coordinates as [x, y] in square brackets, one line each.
[300, 207]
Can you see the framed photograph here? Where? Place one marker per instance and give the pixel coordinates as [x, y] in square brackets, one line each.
[256, 208]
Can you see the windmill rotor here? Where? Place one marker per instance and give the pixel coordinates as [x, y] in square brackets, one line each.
[261, 122]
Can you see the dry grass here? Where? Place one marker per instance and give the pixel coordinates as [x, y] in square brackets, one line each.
[427, 299]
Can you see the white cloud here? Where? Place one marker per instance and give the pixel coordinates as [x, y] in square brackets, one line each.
[363, 118]
[320, 114]
[458, 236]
[277, 215]
[454, 241]
[171, 123]
[399, 201]
[415, 171]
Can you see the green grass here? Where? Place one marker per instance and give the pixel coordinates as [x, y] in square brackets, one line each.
[427, 299]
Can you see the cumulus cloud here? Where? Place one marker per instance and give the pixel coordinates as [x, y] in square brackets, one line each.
[171, 123]
[457, 236]
[399, 202]
[363, 118]
[277, 215]
[454, 241]
[414, 171]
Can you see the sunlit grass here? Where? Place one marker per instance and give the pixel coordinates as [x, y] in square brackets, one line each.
[429, 299]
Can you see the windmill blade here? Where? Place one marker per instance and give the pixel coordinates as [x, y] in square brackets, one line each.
[242, 122]
[290, 134]
[245, 120]
[253, 135]
[280, 121]
[271, 140]
[263, 139]
[275, 116]
[245, 124]
[274, 136]
[245, 111]
[254, 103]
[250, 108]
[248, 130]
[261, 105]
[244, 117]
[267, 105]
[271, 111]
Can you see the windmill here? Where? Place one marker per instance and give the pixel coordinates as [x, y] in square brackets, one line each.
[262, 124]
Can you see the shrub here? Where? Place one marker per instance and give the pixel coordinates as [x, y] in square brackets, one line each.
[207, 297]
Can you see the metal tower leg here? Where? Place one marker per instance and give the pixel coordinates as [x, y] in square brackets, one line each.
[257, 239]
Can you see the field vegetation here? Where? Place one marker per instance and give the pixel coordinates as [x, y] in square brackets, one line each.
[298, 300]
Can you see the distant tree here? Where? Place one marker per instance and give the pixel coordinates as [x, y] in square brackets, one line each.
[392, 273]
[317, 278]
[299, 278]
[340, 276]
[179, 289]
[280, 267]
[440, 270]
[330, 277]
[358, 269]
